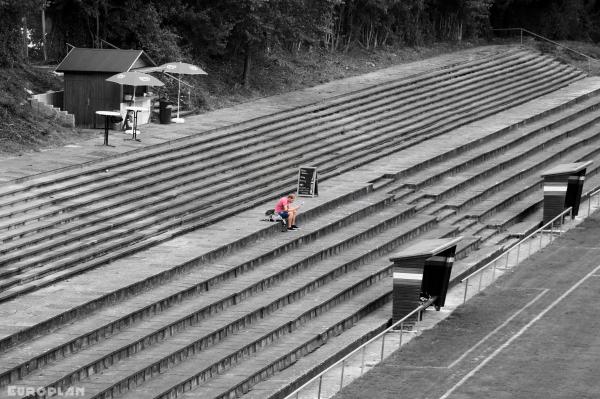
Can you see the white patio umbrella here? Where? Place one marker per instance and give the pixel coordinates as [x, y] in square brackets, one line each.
[181, 68]
[134, 78]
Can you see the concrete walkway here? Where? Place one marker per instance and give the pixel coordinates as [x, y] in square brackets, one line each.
[73, 155]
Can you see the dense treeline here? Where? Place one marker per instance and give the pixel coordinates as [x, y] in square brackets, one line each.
[239, 29]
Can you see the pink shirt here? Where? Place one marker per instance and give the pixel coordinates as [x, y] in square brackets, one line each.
[281, 204]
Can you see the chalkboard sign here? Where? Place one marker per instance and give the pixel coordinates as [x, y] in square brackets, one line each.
[307, 182]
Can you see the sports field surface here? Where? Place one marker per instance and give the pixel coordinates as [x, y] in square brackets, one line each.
[534, 334]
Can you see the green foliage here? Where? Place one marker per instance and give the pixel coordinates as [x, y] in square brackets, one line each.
[556, 19]
[12, 44]
[201, 30]
[143, 28]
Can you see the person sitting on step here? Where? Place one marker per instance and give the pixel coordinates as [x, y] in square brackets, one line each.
[287, 212]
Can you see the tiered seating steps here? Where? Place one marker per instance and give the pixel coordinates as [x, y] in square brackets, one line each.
[218, 326]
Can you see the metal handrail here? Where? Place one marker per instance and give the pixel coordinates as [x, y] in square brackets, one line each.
[517, 245]
[589, 196]
[591, 193]
[589, 58]
[110, 44]
[400, 323]
[551, 222]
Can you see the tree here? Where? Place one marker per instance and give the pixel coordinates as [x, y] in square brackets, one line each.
[144, 29]
[234, 28]
[454, 19]
[13, 30]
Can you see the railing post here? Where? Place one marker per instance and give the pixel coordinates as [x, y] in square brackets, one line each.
[571, 217]
[589, 205]
[342, 377]
[401, 331]
[362, 361]
[480, 281]
[521, 29]
[320, 383]
[518, 252]
[466, 288]
[382, 346]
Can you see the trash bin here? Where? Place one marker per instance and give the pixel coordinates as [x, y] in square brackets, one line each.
[164, 114]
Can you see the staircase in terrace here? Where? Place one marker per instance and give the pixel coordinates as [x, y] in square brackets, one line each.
[263, 305]
[64, 224]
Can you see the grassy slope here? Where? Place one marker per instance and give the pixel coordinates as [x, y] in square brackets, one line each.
[20, 128]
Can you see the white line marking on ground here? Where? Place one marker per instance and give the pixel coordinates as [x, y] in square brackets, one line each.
[518, 334]
[454, 363]
[495, 330]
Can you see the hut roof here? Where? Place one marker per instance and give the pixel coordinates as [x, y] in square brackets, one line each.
[567, 168]
[103, 60]
[426, 248]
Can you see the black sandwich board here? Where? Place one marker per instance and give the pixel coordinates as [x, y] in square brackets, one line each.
[307, 182]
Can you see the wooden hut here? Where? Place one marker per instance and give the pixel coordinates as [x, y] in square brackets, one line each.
[86, 89]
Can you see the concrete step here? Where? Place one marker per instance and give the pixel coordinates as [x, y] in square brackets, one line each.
[62, 266]
[477, 185]
[303, 369]
[348, 206]
[515, 212]
[136, 188]
[506, 142]
[255, 128]
[251, 375]
[442, 128]
[522, 229]
[575, 130]
[279, 301]
[143, 171]
[477, 259]
[49, 280]
[502, 198]
[276, 262]
[289, 346]
[532, 202]
[52, 273]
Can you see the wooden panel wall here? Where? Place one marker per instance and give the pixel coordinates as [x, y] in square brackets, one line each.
[86, 93]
